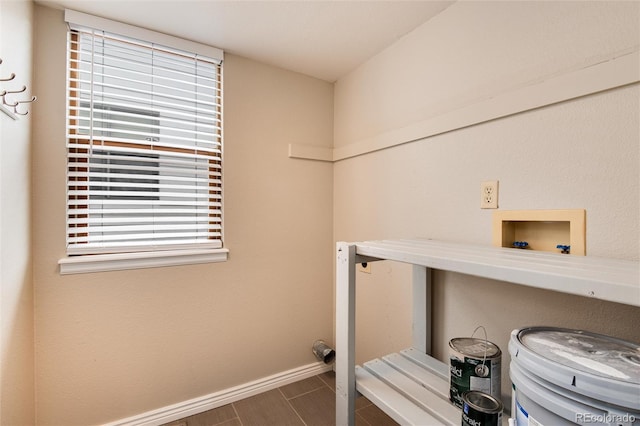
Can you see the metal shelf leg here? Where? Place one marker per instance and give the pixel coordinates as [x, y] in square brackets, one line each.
[345, 334]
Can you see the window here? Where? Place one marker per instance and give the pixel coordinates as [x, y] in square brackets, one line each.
[144, 145]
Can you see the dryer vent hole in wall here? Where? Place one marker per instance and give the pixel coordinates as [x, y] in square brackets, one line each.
[323, 352]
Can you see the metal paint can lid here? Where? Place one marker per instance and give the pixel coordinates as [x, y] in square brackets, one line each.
[482, 402]
[586, 352]
[476, 348]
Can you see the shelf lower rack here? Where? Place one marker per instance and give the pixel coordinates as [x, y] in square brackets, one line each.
[410, 386]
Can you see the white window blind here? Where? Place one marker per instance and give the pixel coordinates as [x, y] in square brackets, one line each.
[144, 146]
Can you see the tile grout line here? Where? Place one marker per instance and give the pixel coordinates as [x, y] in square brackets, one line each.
[304, 393]
[319, 376]
[233, 405]
[323, 382]
[292, 407]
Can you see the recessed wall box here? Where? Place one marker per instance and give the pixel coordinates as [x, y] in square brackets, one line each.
[542, 230]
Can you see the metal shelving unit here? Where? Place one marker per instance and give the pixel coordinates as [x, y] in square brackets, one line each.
[412, 387]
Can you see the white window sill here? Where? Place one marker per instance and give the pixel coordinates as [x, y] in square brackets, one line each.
[123, 261]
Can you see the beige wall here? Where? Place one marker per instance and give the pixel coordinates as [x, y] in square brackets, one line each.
[582, 153]
[113, 345]
[16, 288]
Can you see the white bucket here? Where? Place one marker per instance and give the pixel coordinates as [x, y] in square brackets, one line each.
[564, 377]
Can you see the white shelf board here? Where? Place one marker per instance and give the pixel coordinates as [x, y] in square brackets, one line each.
[404, 394]
[614, 280]
[392, 402]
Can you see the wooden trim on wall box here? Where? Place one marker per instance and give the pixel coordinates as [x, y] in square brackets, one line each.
[575, 218]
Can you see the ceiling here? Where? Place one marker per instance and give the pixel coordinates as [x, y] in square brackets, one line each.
[323, 39]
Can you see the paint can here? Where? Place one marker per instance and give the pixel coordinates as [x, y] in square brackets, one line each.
[565, 377]
[474, 364]
[481, 409]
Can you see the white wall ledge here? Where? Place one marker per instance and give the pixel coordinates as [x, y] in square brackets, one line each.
[595, 75]
[123, 261]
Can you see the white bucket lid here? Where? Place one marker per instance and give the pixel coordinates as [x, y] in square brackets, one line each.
[594, 365]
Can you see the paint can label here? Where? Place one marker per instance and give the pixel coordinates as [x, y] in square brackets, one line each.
[471, 371]
[522, 416]
[480, 409]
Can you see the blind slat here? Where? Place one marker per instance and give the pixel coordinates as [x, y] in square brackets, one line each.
[141, 88]
[131, 213]
[172, 106]
[118, 247]
[192, 83]
[179, 159]
[138, 229]
[95, 238]
[145, 138]
[165, 112]
[130, 220]
[144, 146]
[148, 194]
[215, 126]
[149, 204]
[142, 176]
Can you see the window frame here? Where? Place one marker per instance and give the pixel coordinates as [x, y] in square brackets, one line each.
[171, 256]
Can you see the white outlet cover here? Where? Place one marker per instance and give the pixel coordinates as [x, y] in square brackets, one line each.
[489, 194]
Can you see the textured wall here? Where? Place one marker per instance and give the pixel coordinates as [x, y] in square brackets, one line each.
[113, 345]
[476, 50]
[582, 153]
[16, 288]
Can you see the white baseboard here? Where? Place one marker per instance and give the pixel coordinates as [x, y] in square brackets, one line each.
[224, 397]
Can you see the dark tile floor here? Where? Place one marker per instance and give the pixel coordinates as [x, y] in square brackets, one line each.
[309, 402]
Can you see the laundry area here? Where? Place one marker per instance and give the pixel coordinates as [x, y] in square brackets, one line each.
[432, 203]
[557, 376]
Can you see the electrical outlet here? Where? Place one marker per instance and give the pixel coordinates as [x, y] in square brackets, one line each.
[489, 195]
